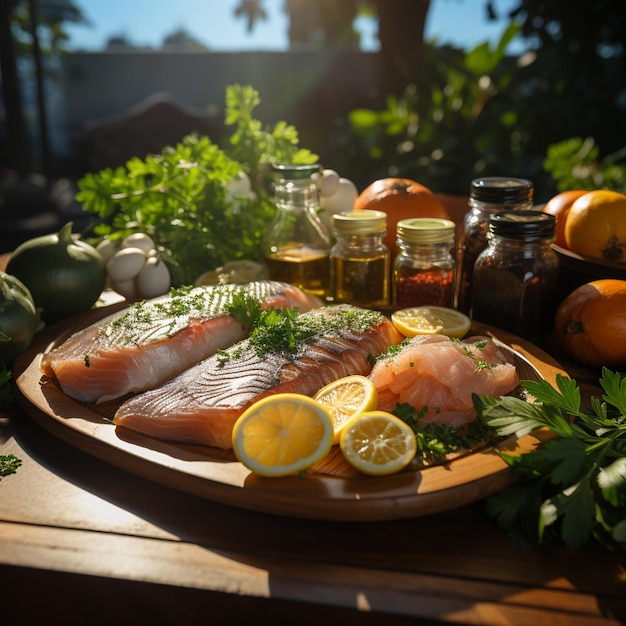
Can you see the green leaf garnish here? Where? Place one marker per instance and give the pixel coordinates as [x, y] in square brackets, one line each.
[573, 487]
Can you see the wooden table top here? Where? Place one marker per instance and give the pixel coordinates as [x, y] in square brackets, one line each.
[87, 542]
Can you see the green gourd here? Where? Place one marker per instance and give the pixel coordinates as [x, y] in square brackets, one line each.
[64, 274]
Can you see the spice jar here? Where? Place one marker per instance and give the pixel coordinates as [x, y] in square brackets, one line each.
[296, 244]
[359, 260]
[423, 270]
[515, 277]
[487, 196]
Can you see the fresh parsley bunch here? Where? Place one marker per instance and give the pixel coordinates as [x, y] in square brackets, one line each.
[180, 196]
[574, 486]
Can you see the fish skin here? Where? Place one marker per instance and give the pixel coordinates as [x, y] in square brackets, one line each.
[151, 342]
[435, 372]
[202, 405]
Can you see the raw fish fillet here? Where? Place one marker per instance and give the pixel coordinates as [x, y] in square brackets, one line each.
[440, 374]
[153, 341]
[202, 405]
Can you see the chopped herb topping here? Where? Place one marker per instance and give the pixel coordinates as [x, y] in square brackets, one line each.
[9, 464]
[276, 330]
[435, 442]
[152, 320]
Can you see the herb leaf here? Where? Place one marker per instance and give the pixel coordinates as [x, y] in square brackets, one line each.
[574, 487]
[180, 196]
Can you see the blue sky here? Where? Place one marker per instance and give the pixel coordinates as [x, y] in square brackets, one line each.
[147, 22]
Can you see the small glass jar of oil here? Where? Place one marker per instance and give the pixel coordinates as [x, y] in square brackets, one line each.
[359, 260]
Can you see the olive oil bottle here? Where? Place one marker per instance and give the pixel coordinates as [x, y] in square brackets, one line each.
[296, 245]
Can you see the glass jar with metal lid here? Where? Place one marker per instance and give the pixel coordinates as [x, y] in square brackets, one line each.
[423, 270]
[359, 260]
[488, 195]
[515, 277]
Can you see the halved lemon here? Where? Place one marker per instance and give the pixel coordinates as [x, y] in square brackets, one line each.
[378, 443]
[282, 434]
[431, 320]
[233, 272]
[346, 398]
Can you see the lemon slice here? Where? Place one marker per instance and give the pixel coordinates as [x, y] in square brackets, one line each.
[378, 443]
[233, 272]
[346, 398]
[431, 320]
[282, 434]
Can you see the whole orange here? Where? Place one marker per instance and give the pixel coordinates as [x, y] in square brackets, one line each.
[559, 206]
[399, 198]
[590, 323]
[595, 226]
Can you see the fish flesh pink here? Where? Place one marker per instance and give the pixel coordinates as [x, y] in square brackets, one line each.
[438, 375]
[150, 342]
[202, 405]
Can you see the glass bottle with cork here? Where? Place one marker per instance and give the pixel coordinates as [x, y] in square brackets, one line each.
[488, 195]
[424, 267]
[359, 260]
[516, 276]
[296, 245]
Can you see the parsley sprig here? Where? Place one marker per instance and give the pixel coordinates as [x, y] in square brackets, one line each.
[180, 195]
[573, 488]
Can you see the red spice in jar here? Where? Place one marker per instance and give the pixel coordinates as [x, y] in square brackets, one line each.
[435, 287]
[424, 267]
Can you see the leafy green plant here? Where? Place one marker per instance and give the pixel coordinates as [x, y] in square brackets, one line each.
[575, 163]
[180, 196]
[574, 486]
[458, 119]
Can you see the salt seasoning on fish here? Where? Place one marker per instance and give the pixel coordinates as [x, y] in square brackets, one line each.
[155, 340]
[202, 405]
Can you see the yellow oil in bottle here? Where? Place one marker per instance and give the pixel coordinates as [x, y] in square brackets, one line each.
[302, 266]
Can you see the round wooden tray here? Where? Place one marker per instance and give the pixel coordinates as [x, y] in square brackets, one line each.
[331, 491]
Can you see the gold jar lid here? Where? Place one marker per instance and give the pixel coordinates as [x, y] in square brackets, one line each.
[425, 230]
[363, 222]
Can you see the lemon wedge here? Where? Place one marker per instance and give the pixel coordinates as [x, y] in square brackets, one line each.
[346, 398]
[378, 443]
[282, 434]
[431, 320]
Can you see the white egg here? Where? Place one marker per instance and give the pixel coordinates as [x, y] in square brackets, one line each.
[240, 185]
[153, 279]
[126, 288]
[139, 240]
[343, 199]
[328, 183]
[107, 248]
[125, 264]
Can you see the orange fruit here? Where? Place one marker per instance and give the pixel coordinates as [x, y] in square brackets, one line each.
[595, 226]
[399, 198]
[559, 206]
[590, 323]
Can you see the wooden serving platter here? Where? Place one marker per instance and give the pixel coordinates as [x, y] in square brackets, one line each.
[331, 490]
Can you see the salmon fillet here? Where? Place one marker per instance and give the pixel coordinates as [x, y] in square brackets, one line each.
[150, 342]
[202, 405]
[438, 375]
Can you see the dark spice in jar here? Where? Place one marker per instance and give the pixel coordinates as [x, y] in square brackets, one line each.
[515, 278]
[489, 195]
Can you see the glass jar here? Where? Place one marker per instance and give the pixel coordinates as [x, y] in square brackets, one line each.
[487, 196]
[423, 270]
[359, 260]
[515, 277]
[296, 244]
